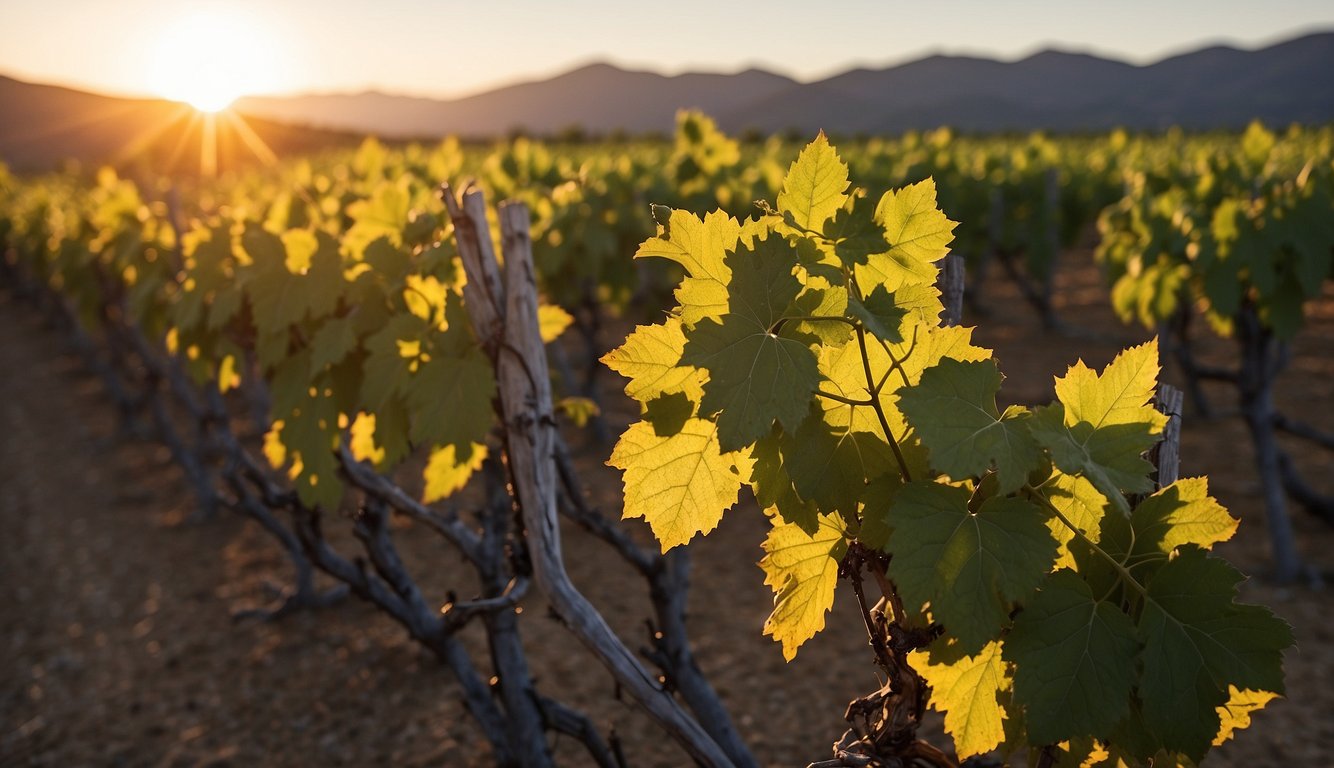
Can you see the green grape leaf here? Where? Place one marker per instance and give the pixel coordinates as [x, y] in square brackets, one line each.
[680, 483]
[880, 314]
[292, 277]
[389, 364]
[830, 465]
[815, 187]
[449, 400]
[1103, 423]
[969, 567]
[967, 689]
[774, 489]
[953, 410]
[755, 376]
[1198, 642]
[877, 525]
[1074, 658]
[331, 343]
[802, 570]
[310, 435]
[650, 358]
[855, 233]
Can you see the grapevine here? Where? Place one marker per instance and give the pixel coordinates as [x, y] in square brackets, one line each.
[1031, 576]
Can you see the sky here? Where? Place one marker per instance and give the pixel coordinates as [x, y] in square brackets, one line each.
[447, 48]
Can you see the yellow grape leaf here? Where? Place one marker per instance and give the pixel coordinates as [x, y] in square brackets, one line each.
[1103, 423]
[802, 570]
[446, 472]
[425, 298]
[919, 234]
[1120, 395]
[362, 444]
[698, 245]
[1182, 513]
[965, 689]
[274, 450]
[651, 359]
[1082, 504]
[552, 322]
[579, 410]
[815, 186]
[228, 378]
[681, 483]
[1235, 715]
[301, 246]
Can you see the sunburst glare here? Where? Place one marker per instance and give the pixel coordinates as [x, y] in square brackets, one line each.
[211, 56]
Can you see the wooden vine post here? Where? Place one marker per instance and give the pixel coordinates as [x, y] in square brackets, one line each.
[504, 314]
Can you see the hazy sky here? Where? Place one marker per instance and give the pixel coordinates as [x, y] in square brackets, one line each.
[448, 48]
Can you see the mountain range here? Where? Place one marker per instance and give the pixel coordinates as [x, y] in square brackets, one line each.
[1215, 87]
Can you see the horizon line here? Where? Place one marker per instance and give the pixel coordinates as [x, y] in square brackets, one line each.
[855, 64]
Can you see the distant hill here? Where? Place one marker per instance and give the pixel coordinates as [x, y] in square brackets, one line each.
[597, 97]
[45, 125]
[1215, 87]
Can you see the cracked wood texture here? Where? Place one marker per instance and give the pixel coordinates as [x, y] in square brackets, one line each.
[524, 400]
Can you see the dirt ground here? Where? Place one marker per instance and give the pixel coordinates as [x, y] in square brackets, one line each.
[117, 647]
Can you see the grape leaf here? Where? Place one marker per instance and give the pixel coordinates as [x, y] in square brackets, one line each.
[650, 358]
[680, 483]
[449, 400]
[953, 410]
[387, 368]
[969, 567]
[774, 489]
[1235, 715]
[815, 186]
[880, 314]
[448, 469]
[281, 297]
[310, 434]
[802, 570]
[1074, 661]
[920, 234]
[877, 524]
[1104, 422]
[552, 322]
[1181, 513]
[362, 440]
[331, 343]
[966, 688]
[1197, 643]
[831, 465]
[755, 376]
[699, 245]
[1081, 504]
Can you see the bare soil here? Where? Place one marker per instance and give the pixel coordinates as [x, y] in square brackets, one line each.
[117, 646]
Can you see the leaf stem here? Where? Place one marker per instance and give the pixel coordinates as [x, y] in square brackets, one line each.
[842, 399]
[879, 409]
[780, 322]
[1121, 570]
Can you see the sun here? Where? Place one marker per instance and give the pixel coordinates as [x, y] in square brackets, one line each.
[212, 56]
